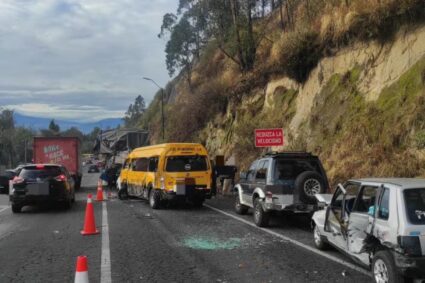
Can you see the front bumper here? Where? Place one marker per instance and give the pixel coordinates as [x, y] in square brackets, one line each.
[413, 267]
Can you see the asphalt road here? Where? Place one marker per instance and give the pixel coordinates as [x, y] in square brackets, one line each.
[179, 244]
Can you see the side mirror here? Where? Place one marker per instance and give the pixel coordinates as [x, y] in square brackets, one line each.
[243, 175]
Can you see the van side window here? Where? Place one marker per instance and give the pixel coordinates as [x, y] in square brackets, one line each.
[153, 164]
[384, 205]
[262, 171]
[141, 165]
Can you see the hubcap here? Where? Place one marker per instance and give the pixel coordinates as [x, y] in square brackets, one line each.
[317, 239]
[311, 187]
[380, 271]
[151, 199]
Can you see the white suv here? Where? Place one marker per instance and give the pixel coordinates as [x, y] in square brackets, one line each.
[380, 223]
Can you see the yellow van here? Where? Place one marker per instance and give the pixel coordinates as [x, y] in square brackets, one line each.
[165, 172]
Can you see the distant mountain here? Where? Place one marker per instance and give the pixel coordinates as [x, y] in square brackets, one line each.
[37, 123]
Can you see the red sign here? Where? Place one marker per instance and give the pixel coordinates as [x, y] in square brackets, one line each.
[268, 137]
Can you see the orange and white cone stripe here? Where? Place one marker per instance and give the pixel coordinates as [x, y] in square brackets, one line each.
[81, 273]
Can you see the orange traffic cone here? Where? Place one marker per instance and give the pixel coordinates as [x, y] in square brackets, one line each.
[81, 272]
[89, 224]
[99, 195]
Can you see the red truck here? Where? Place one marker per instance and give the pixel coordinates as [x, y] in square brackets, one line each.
[64, 151]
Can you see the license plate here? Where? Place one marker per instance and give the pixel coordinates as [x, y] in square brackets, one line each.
[180, 189]
[38, 189]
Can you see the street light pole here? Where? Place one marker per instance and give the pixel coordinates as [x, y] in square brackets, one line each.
[162, 107]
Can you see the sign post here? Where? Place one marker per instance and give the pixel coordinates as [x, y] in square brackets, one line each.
[269, 137]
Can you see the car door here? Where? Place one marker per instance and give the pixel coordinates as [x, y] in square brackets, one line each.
[338, 213]
[246, 183]
[360, 218]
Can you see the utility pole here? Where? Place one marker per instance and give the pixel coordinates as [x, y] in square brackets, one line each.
[162, 107]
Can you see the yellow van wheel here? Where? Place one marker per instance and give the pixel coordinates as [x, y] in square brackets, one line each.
[155, 199]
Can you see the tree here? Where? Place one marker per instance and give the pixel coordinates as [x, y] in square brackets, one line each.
[7, 127]
[135, 112]
[54, 127]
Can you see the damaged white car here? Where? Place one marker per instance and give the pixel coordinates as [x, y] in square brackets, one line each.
[380, 223]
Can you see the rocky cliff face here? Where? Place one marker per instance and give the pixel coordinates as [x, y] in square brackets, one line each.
[361, 110]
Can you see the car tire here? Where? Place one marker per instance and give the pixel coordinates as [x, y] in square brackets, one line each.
[384, 268]
[198, 203]
[307, 184]
[16, 208]
[155, 199]
[261, 217]
[67, 204]
[123, 193]
[319, 243]
[240, 208]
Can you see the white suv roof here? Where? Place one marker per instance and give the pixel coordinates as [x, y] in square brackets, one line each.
[401, 183]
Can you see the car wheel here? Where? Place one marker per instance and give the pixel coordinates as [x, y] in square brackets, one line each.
[198, 203]
[155, 199]
[308, 184]
[384, 269]
[240, 208]
[67, 204]
[318, 239]
[16, 208]
[123, 194]
[261, 217]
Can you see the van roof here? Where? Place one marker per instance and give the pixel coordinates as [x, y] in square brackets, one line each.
[165, 145]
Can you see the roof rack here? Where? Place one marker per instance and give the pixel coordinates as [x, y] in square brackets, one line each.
[288, 153]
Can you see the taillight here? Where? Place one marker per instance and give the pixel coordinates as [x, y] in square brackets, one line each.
[411, 245]
[17, 180]
[61, 178]
[39, 166]
[269, 195]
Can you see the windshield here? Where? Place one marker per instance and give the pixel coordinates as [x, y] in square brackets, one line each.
[33, 173]
[414, 200]
[186, 163]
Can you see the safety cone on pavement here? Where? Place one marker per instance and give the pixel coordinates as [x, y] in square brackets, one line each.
[89, 223]
[81, 271]
[99, 195]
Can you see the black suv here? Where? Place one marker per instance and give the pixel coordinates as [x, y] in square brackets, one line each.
[284, 181]
[40, 183]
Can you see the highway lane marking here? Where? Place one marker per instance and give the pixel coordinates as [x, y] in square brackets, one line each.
[3, 208]
[105, 258]
[292, 241]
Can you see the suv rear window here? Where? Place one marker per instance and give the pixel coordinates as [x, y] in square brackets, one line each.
[186, 163]
[414, 200]
[32, 173]
[288, 169]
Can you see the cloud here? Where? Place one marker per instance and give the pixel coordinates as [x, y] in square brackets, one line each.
[80, 52]
[75, 113]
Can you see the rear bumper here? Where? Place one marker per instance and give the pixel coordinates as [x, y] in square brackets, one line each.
[191, 193]
[288, 203]
[413, 267]
[22, 198]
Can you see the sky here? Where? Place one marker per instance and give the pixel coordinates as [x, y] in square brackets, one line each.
[80, 60]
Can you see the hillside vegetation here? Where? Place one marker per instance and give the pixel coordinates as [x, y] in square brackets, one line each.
[344, 79]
